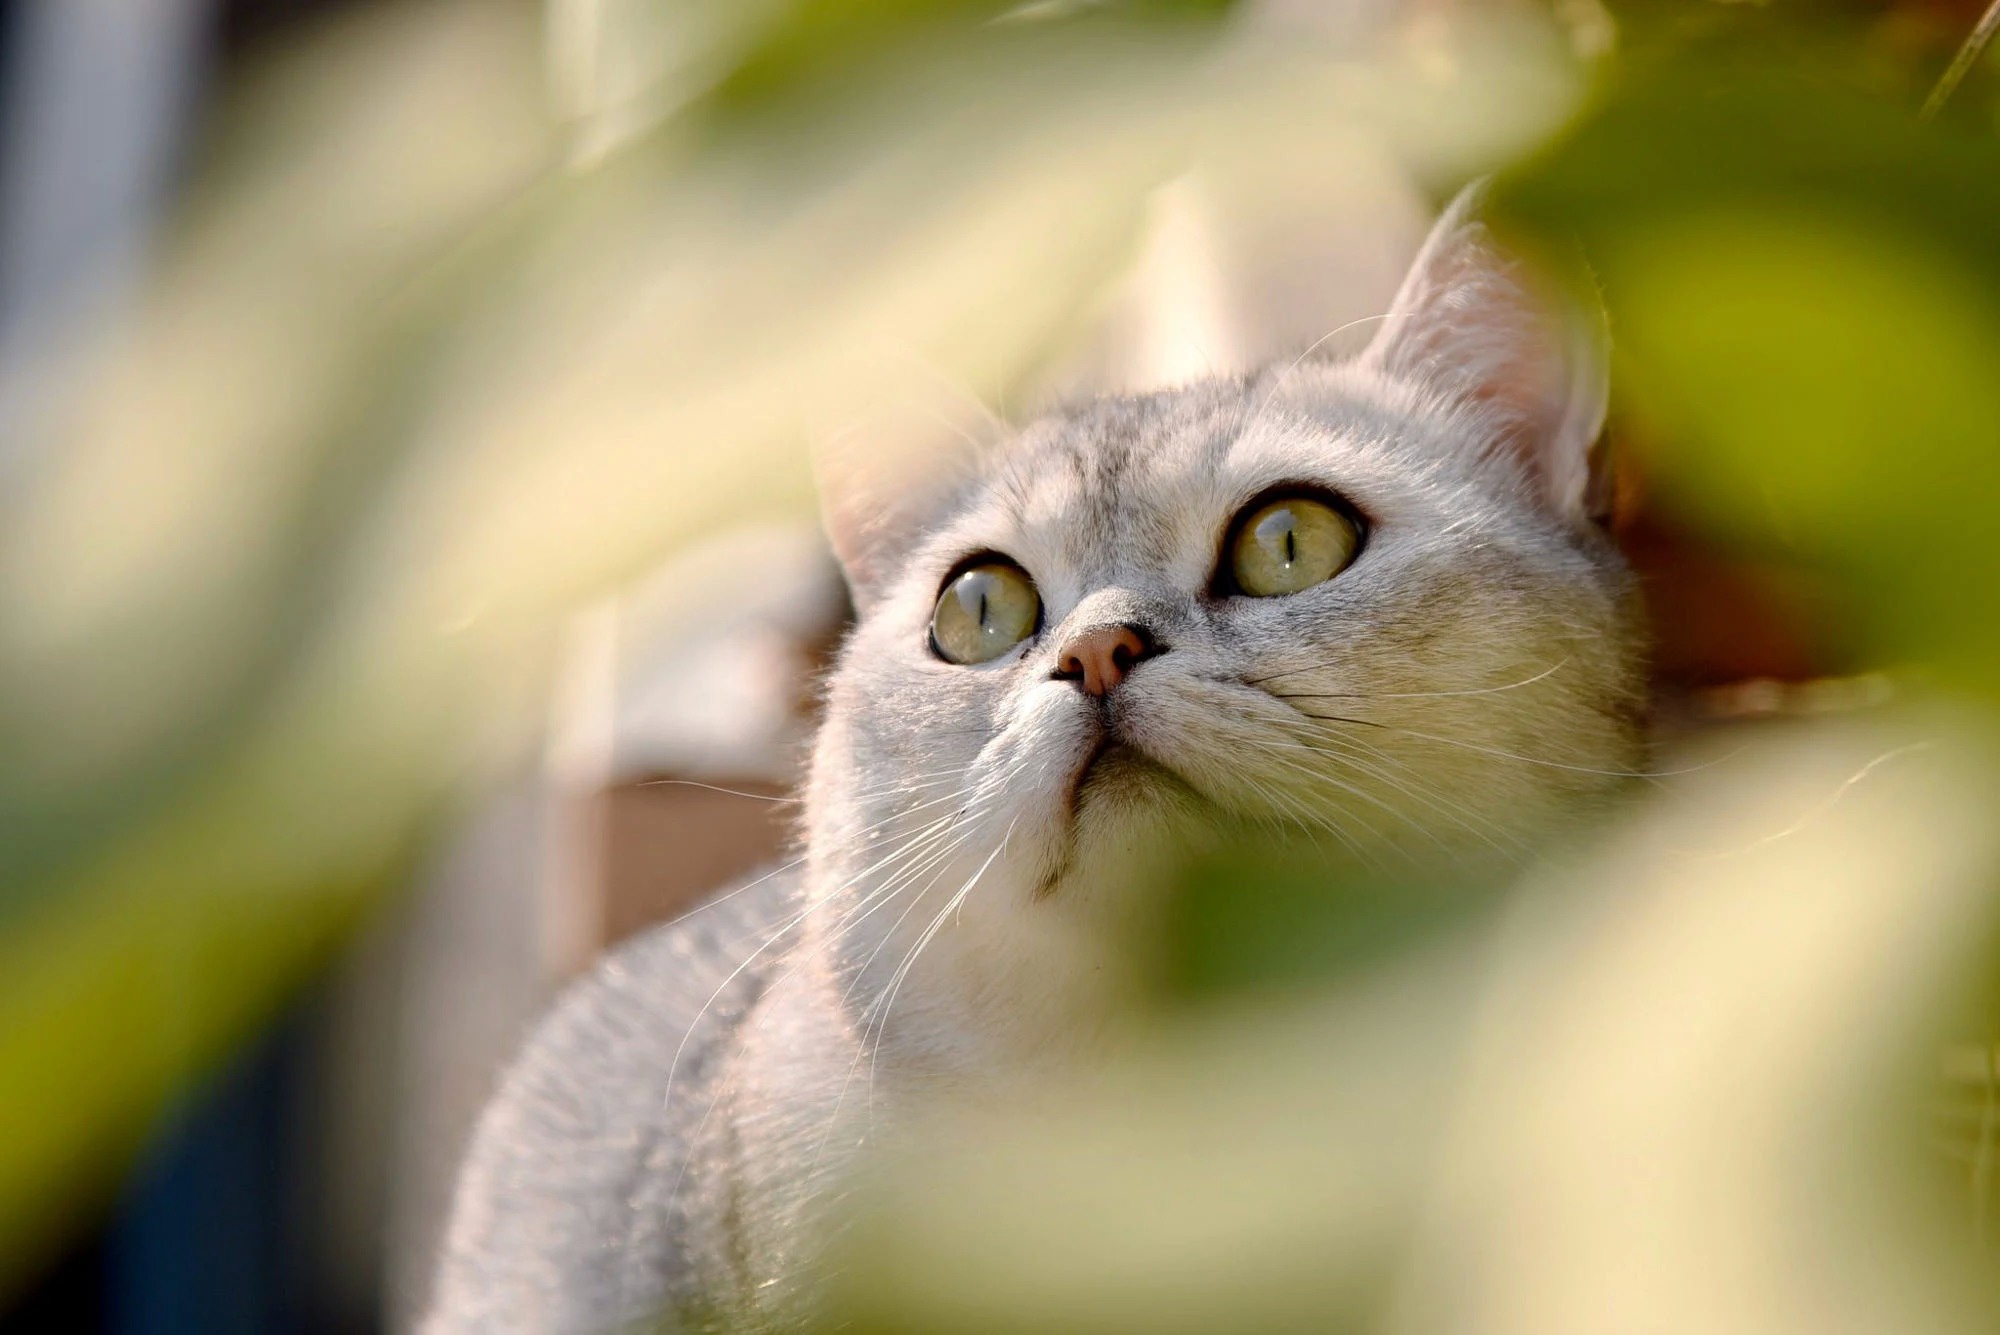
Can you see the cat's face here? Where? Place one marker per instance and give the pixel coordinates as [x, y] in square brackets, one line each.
[1360, 602]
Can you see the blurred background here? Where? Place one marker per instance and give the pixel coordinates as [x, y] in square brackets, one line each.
[410, 584]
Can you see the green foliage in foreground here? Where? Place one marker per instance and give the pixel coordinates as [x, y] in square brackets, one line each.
[1805, 284]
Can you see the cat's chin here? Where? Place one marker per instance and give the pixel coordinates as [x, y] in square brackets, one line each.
[1123, 809]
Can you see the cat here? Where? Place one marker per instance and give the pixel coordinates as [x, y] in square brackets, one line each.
[1368, 596]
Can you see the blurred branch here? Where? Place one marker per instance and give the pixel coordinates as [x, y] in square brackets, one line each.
[1962, 63]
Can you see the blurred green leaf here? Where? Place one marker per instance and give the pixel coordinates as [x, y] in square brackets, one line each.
[1269, 917]
[814, 40]
[1837, 392]
[1803, 285]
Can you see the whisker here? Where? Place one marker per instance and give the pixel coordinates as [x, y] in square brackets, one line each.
[1278, 382]
[784, 929]
[1543, 675]
[1510, 755]
[856, 837]
[878, 895]
[1320, 777]
[715, 788]
[909, 962]
[1296, 811]
[1312, 823]
[1464, 817]
[861, 1044]
[1323, 740]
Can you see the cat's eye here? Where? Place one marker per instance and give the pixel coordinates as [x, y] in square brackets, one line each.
[984, 611]
[1289, 544]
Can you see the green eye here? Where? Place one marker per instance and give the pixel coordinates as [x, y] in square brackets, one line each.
[985, 611]
[1291, 544]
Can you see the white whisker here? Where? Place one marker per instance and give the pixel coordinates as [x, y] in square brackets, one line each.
[1543, 675]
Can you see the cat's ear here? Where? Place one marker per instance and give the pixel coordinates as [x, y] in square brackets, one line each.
[884, 481]
[1531, 355]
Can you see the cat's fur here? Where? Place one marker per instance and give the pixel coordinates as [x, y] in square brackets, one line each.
[665, 1143]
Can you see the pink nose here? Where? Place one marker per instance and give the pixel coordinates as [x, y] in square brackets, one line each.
[1099, 657]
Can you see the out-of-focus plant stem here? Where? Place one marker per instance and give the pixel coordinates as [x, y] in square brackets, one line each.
[1968, 56]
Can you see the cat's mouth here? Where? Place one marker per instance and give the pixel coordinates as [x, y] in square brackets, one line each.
[1110, 761]
[1113, 765]
[1112, 780]
[1110, 768]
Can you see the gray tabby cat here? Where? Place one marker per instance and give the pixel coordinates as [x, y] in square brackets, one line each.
[1363, 597]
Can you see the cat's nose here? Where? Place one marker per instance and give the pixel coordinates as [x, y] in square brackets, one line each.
[1097, 658]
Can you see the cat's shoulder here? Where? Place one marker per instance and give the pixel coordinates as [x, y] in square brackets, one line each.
[655, 997]
[604, 1101]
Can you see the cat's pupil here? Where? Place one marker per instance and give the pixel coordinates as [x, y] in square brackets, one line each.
[1291, 545]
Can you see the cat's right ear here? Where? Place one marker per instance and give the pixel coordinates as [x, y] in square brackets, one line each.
[1480, 326]
[884, 482]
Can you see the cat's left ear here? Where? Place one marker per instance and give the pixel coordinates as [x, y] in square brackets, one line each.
[885, 480]
[1533, 357]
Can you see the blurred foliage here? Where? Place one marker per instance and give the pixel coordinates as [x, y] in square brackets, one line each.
[1262, 919]
[1805, 284]
[818, 44]
[426, 359]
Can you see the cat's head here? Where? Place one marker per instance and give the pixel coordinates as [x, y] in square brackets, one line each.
[1364, 599]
